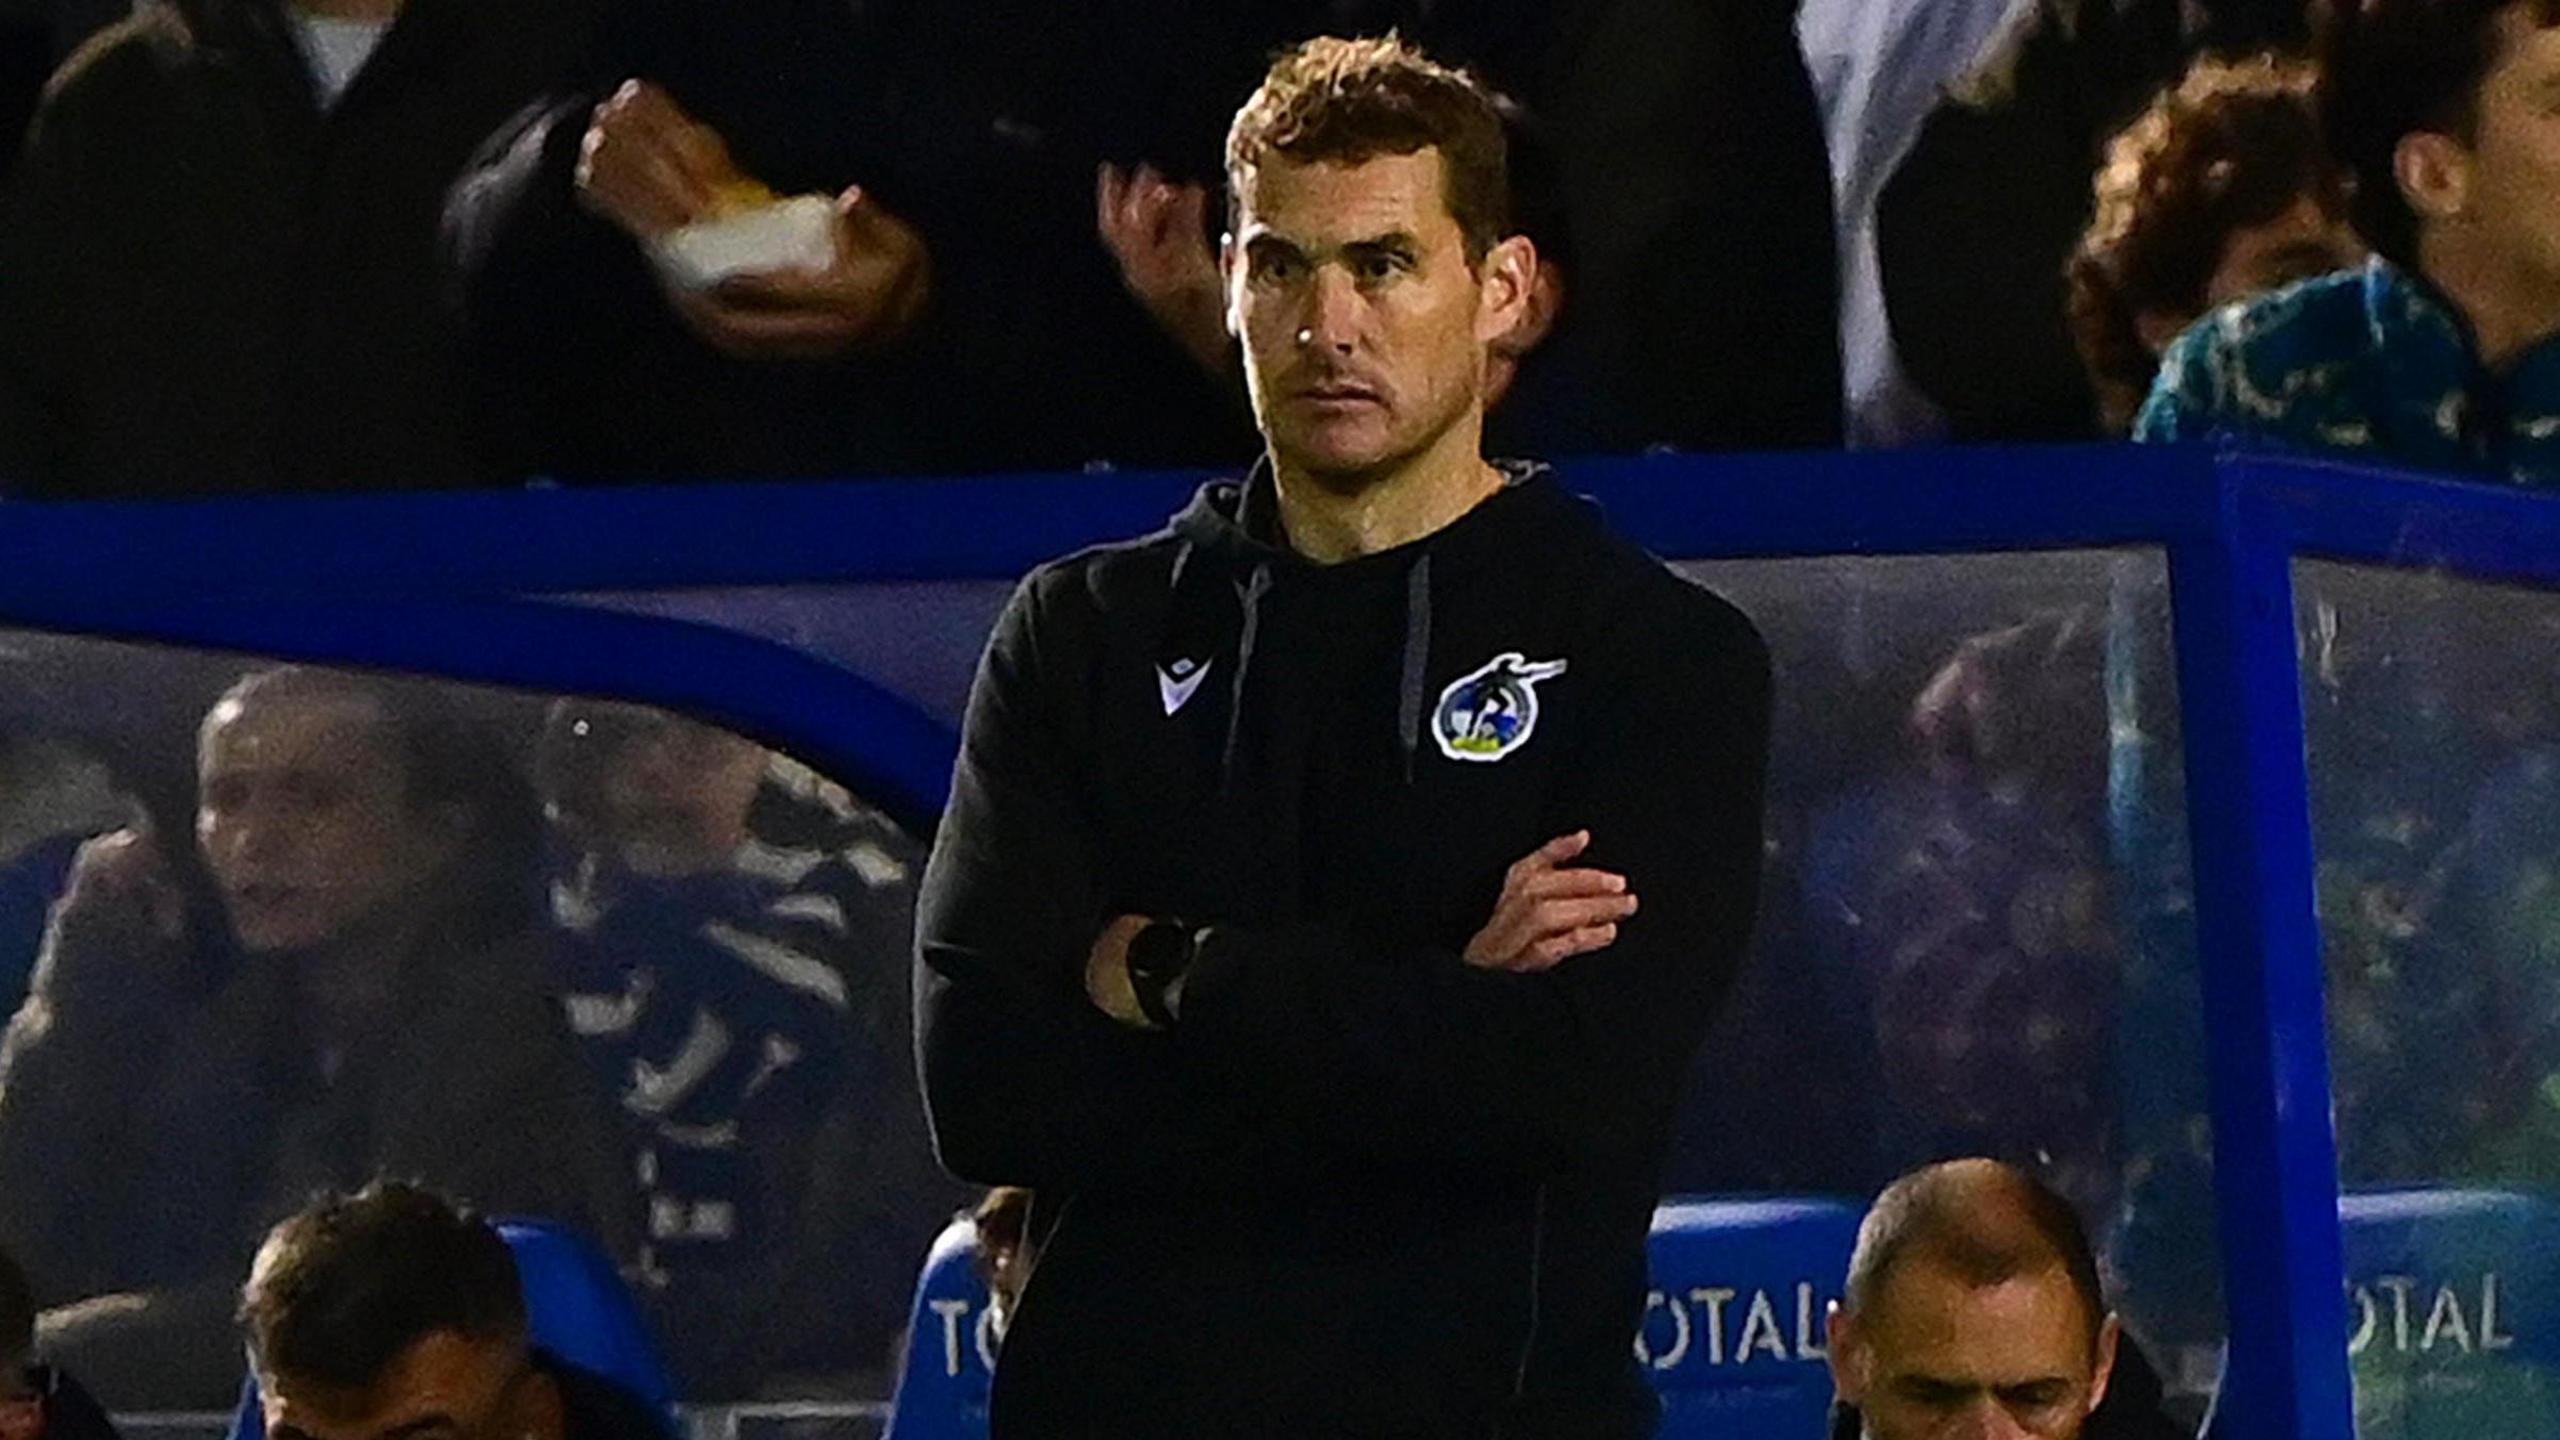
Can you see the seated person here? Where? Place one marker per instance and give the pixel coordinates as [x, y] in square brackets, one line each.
[732, 935]
[366, 995]
[2440, 354]
[38, 1402]
[390, 1312]
[1973, 1305]
[2220, 192]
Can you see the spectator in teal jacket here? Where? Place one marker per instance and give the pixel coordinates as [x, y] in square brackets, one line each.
[2444, 352]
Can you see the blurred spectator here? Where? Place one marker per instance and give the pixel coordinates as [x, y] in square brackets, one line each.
[374, 1005]
[1973, 1307]
[2222, 191]
[217, 259]
[970, 320]
[389, 1312]
[52, 799]
[2441, 353]
[1966, 906]
[38, 1402]
[734, 933]
[1977, 222]
[1879, 67]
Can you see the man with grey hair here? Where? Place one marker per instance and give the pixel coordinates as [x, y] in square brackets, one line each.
[1973, 1307]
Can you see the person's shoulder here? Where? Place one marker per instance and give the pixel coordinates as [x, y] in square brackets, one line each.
[121, 62]
[2256, 364]
[1642, 603]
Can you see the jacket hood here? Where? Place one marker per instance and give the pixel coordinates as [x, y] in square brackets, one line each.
[1234, 554]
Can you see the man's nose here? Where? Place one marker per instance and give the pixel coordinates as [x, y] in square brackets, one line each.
[1334, 313]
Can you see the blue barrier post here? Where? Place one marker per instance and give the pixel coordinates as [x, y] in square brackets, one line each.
[2257, 930]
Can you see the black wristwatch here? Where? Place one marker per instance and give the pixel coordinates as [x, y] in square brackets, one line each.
[1158, 956]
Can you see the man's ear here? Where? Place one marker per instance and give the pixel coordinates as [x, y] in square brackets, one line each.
[1505, 281]
[2109, 1334]
[1227, 260]
[2433, 171]
[1848, 1358]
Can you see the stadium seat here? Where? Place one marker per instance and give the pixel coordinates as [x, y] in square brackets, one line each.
[1733, 1331]
[942, 1392]
[2453, 1313]
[580, 1312]
[1732, 1334]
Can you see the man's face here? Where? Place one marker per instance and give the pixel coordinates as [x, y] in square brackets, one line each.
[665, 795]
[304, 820]
[1365, 328]
[444, 1387]
[2513, 160]
[1934, 1358]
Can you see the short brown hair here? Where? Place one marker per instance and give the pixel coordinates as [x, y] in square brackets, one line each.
[344, 1288]
[1348, 101]
[1987, 1221]
[2394, 68]
[2236, 143]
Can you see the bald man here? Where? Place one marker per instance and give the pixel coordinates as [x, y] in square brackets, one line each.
[1973, 1308]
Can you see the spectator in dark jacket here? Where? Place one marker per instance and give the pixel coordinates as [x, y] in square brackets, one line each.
[733, 930]
[384, 1012]
[1973, 1301]
[971, 321]
[217, 260]
[38, 1402]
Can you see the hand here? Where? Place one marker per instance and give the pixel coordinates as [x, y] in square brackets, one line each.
[119, 877]
[1157, 232]
[869, 295]
[1106, 972]
[649, 167]
[1549, 912]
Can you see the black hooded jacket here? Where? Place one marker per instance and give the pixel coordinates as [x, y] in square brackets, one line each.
[1362, 1187]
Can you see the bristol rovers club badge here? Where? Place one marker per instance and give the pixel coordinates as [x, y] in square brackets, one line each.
[1493, 711]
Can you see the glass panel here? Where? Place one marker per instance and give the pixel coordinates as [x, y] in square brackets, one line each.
[2434, 734]
[561, 957]
[1974, 937]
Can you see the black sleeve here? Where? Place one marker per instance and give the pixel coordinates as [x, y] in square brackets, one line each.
[1026, 1083]
[1427, 1059]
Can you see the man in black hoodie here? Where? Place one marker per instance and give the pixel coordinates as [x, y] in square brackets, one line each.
[1283, 932]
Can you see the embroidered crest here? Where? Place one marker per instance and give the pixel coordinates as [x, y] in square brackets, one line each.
[1177, 682]
[1492, 712]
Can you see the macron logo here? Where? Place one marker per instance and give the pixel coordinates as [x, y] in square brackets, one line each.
[1179, 681]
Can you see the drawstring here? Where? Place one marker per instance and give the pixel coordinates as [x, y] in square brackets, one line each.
[1250, 593]
[1417, 657]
